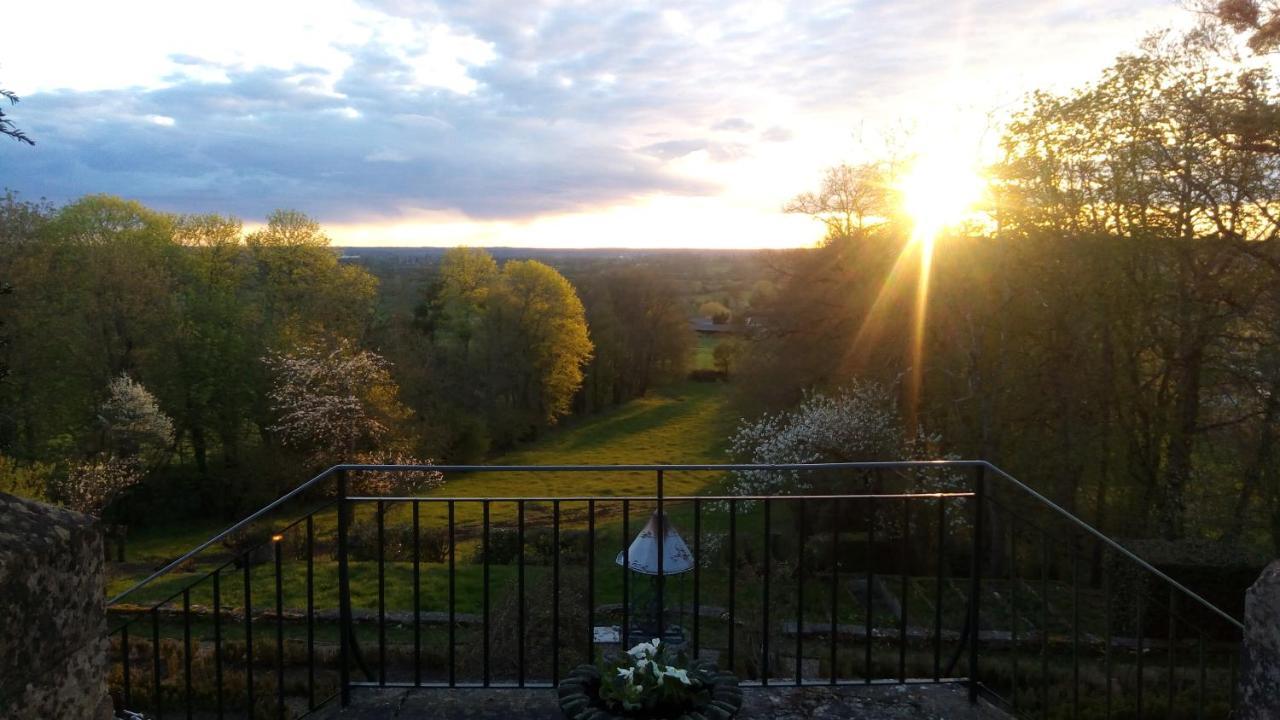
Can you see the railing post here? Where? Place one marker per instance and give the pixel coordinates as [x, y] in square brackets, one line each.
[975, 579]
[344, 594]
[662, 536]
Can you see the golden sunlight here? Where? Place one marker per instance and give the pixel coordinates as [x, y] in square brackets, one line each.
[939, 191]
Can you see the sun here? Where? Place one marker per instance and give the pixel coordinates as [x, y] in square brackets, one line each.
[939, 191]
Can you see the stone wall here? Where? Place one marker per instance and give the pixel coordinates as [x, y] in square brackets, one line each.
[52, 650]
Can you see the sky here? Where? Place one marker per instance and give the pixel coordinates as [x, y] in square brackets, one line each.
[524, 123]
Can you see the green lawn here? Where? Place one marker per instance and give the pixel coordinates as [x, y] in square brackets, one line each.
[684, 423]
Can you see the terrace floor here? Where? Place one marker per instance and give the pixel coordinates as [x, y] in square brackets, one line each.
[879, 702]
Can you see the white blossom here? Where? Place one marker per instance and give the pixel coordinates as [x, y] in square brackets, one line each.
[857, 422]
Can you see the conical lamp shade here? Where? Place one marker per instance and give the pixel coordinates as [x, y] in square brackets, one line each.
[643, 555]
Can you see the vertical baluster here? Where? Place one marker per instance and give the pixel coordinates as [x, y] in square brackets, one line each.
[660, 580]
[1107, 592]
[278, 552]
[835, 590]
[311, 613]
[382, 594]
[1141, 644]
[870, 575]
[157, 694]
[344, 594]
[697, 575]
[485, 546]
[124, 658]
[733, 576]
[906, 590]
[248, 635]
[626, 573]
[124, 665]
[453, 606]
[764, 605]
[186, 650]
[591, 581]
[520, 593]
[417, 595]
[217, 639]
[555, 592]
[1200, 689]
[1173, 639]
[1075, 628]
[941, 572]
[800, 550]
[1013, 611]
[975, 579]
[1044, 624]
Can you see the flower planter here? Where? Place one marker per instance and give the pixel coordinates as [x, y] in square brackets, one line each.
[580, 698]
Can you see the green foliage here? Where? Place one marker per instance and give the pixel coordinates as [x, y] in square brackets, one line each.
[652, 681]
[507, 347]
[1113, 340]
[104, 287]
[31, 481]
[641, 334]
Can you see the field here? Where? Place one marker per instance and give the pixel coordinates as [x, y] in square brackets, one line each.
[685, 423]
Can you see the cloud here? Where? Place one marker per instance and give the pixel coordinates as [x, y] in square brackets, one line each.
[733, 124]
[776, 134]
[506, 110]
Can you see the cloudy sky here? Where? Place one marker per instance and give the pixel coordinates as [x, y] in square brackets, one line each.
[529, 122]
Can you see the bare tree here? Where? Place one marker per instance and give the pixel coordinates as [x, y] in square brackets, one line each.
[6, 125]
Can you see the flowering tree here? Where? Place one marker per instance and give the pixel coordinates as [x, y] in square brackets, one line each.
[136, 434]
[340, 404]
[91, 486]
[332, 401]
[858, 422]
[133, 423]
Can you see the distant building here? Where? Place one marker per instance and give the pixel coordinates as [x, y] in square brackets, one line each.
[704, 326]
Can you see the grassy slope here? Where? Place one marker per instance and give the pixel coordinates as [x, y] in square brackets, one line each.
[685, 423]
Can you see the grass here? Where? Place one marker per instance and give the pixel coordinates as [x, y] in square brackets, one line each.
[684, 423]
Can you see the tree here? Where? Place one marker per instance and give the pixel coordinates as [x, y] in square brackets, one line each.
[536, 343]
[1258, 19]
[133, 424]
[333, 402]
[1142, 157]
[727, 353]
[136, 435]
[857, 422]
[715, 312]
[849, 197]
[6, 125]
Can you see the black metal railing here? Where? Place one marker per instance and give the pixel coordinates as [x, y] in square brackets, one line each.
[889, 572]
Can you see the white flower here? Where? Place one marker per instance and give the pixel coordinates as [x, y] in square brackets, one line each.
[679, 673]
[643, 650]
[626, 672]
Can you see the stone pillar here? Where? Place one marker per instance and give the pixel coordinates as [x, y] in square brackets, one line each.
[1259, 687]
[53, 661]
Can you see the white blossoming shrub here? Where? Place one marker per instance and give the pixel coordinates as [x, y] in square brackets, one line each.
[90, 486]
[339, 404]
[331, 401]
[858, 422]
[133, 421]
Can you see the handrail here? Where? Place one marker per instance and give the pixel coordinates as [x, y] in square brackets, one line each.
[216, 538]
[358, 467]
[712, 467]
[1113, 544]
[862, 465]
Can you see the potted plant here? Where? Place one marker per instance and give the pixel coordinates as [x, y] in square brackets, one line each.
[649, 684]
